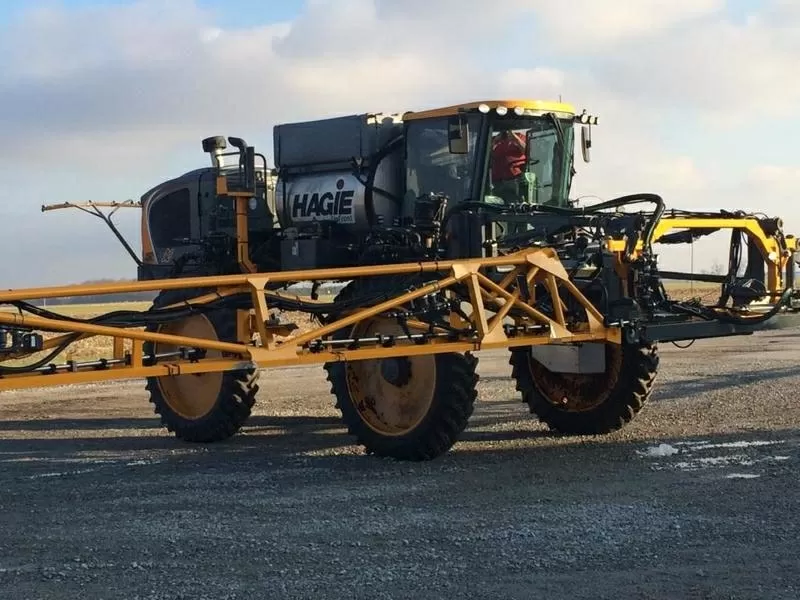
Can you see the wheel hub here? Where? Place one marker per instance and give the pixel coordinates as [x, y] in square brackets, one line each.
[190, 396]
[392, 395]
[396, 371]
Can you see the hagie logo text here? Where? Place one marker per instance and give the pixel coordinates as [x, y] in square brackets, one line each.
[325, 206]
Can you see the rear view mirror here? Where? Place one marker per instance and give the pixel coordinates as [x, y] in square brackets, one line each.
[586, 142]
[458, 135]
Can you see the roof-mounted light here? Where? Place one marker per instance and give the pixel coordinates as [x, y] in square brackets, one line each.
[484, 108]
[519, 111]
[586, 119]
[501, 110]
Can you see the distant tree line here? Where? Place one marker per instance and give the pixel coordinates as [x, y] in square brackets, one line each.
[302, 288]
[100, 298]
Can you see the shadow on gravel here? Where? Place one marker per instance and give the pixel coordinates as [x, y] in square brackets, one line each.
[681, 389]
[77, 423]
[274, 435]
[80, 423]
[505, 435]
[498, 432]
[485, 459]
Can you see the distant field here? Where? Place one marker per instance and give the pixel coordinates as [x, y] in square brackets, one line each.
[87, 311]
[86, 349]
[102, 347]
[686, 290]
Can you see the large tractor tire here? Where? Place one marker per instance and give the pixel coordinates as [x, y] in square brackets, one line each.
[406, 408]
[206, 407]
[588, 404]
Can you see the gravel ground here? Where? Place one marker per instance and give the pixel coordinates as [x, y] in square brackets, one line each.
[698, 498]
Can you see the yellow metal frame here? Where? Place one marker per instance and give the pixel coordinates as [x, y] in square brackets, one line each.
[776, 258]
[484, 296]
[240, 200]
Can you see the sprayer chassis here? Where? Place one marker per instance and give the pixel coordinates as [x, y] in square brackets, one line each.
[490, 303]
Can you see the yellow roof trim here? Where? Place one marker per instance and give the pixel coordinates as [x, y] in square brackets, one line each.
[535, 105]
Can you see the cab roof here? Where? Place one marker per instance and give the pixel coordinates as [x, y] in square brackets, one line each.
[532, 105]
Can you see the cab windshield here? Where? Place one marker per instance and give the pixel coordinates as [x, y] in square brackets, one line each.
[530, 160]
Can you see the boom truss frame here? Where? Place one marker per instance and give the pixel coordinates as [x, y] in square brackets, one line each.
[479, 331]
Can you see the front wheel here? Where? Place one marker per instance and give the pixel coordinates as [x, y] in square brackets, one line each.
[588, 404]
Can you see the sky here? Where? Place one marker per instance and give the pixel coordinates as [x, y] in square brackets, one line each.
[698, 100]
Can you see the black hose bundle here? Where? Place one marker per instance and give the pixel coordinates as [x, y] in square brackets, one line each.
[594, 209]
[6, 370]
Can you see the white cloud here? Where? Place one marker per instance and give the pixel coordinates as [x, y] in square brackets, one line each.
[450, 20]
[56, 43]
[581, 25]
[772, 189]
[135, 88]
[776, 178]
[542, 82]
[727, 70]
[121, 94]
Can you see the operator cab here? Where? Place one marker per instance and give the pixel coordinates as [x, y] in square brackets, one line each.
[507, 155]
[493, 152]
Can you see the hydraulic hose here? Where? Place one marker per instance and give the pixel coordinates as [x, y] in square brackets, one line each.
[42, 361]
[635, 199]
[784, 298]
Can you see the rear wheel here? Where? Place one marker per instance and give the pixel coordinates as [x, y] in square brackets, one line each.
[588, 404]
[205, 407]
[407, 408]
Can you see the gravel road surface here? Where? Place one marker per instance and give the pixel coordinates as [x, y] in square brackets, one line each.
[698, 498]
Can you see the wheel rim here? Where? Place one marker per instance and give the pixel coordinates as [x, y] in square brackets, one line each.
[391, 396]
[575, 392]
[190, 396]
